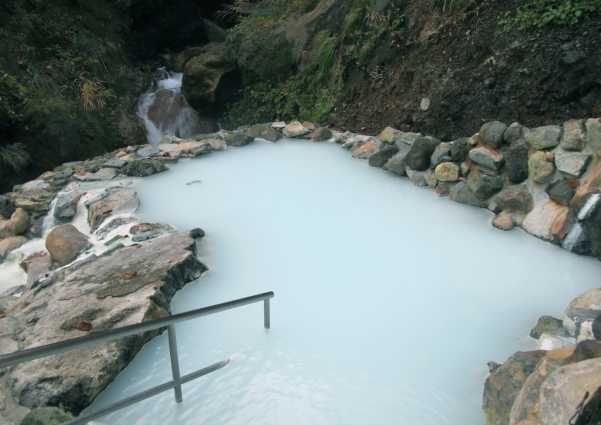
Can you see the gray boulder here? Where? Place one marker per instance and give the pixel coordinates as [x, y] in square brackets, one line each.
[321, 134]
[35, 199]
[573, 163]
[516, 162]
[491, 133]
[484, 185]
[462, 193]
[66, 206]
[238, 139]
[144, 168]
[264, 131]
[515, 198]
[572, 135]
[396, 165]
[487, 157]
[18, 223]
[514, 132]
[561, 192]
[147, 151]
[381, 157]
[65, 243]
[543, 138]
[442, 151]
[550, 325]
[459, 150]
[418, 157]
[117, 200]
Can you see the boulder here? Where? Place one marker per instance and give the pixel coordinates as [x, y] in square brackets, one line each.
[418, 157]
[264, 131]
[447, 172]
[486, 157]
[309, 125]
[516, 162]
[46, 416]
[214, 31]
[35, 199]
[10, 244]
[484, 185]
[514, 132]
[546, 220]
[294, 129]
[525, 406]
[18, 223]
[66, 205]
[561, 192]
[321, 134]
[391, 135]
[551, 325]
[564, 390]
[65, 243]
[116, 201]
[593, 134]
[144, 168]
[125, 286]
[585, 350]
[504, 384]
[544, 138]
[381, 157]
[491, 133]
[409, 138]
[589, 300]
[442, 153]
[503, 221]
[541, 168]
[573, 163]
[396, 165]
[572, 135]
[7, 204]
[462, 193]
[147, 151]
[210, 77]
[366, 150]
[459, 150]
[516, 198]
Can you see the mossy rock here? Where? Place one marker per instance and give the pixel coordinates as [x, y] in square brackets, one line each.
[46, 416]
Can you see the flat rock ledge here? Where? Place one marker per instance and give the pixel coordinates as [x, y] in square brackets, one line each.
[124, 286]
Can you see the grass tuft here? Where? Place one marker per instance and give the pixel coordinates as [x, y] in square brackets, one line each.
[13, 158]
[326, 54]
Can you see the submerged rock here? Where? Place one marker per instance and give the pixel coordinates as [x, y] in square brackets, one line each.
[99, 292]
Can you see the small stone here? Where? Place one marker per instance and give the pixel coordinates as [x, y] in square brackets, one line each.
[294, 129]
[431, 180]
[593, 134]
[381, 157]
[418, 157]
[443, 150]
[572, 163]
[573, 182]
[491, 133]
[541, 169]
[459, 150]
[409, 138]
[572, 135]
[462, 193]
[396, 165]
[561, 192]
[515, 198]
[425, 104]
[442, 189]
[321, 134]
[484, 185]
[514, 132]
[570, 58]
[486, 157]
[503, 221]
[542, 138]
[447, 172]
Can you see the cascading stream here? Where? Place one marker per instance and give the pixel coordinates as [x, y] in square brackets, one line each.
[165, 110]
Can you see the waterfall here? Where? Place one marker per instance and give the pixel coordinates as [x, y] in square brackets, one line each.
[165, 110]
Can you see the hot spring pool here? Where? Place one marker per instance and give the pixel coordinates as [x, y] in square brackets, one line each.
[388, 302]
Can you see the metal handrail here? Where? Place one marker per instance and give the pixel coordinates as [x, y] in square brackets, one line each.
[168, 322]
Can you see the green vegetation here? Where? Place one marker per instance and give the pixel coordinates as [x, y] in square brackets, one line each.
[543, 13]
[13, 159]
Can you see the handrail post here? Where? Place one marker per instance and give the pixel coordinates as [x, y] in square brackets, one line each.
[266, 312]
[174, 363]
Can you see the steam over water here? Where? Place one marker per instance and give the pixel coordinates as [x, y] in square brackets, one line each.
[388, 302]
[165, 110]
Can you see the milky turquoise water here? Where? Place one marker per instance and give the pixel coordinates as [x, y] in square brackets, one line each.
[388, 302]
